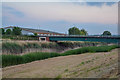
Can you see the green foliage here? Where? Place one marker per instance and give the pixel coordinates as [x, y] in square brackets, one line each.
[15, 48]
[17, 31]
[76, 31]
[3, 31]
[12, 48]
[83, 32]
[50, 45]
[21, 37]
[8, 60]
[105, 33]
[32, 45]
[44, 45]
[82, 63]
[35, 34]
[91, 49]
[58, 77]
[66, 70]
[8, 32]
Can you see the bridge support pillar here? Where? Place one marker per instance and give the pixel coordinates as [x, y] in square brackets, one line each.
[47, 39]
[43, 39]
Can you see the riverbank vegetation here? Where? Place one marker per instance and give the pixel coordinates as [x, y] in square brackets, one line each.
[26, 47]
[8, 60]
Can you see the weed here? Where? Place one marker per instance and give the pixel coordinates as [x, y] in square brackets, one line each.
[58, 77]
[88, 61]
[66, 70]
[82, 63]
[74, 73]
[93, 68]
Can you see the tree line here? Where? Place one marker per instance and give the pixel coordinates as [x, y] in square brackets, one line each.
[72, 31]
[14, 31]
[77, 31]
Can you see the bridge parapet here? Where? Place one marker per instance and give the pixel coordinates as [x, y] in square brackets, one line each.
[109, 39]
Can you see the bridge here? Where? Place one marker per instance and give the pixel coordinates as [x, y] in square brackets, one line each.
[108, 39]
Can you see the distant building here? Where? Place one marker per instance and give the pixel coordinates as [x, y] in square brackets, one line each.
[28, 31]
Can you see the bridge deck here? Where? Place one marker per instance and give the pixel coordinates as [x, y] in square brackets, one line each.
[110, 39]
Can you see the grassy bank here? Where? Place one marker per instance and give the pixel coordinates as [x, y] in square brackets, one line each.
[18, 47]
[8, 60]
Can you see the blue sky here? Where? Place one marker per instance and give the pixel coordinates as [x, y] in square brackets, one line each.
[95, 17]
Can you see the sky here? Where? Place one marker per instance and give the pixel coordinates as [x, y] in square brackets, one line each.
[94, 17]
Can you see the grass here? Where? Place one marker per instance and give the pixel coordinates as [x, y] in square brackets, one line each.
[74, 73]
[88, 61]
[18, 48]
[92, 49]
[8, 60]
[82, 63]
[58, 77]
[20, 37]
[94, 68]
[66, 70]
[12, 47]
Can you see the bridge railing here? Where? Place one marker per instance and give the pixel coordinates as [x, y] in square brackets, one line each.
[81, 35]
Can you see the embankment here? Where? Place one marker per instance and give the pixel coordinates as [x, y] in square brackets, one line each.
[8, 60]
[59, 47]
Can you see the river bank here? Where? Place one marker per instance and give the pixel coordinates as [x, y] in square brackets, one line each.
[24, 47]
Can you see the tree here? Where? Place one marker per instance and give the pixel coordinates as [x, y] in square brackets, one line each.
[35, 34]
[83, 32]
[17, 31]
[8, 32]
[74, 31]
[3, 31]
[106, 33]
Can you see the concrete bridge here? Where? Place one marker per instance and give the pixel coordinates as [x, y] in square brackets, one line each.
[108, 39]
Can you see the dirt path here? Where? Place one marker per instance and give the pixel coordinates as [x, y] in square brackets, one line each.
[88, 65]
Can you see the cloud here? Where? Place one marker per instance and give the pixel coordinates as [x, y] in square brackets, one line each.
[68, 12]
[60, 0]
